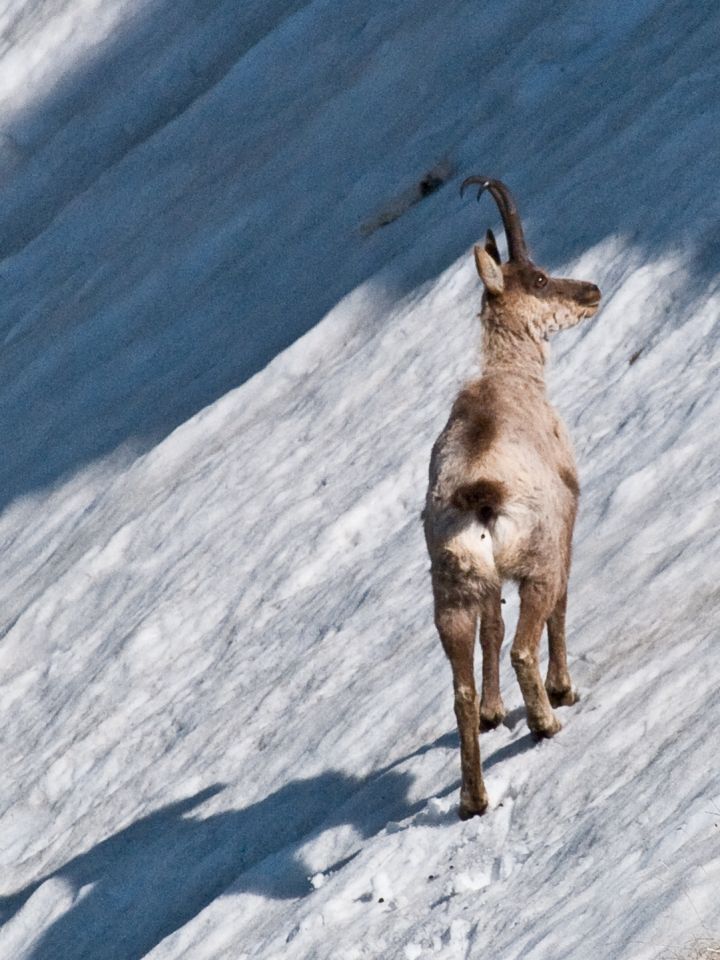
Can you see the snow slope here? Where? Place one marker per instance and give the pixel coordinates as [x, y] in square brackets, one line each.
[227, 726]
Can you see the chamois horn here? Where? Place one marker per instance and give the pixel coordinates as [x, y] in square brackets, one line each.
[517, 248]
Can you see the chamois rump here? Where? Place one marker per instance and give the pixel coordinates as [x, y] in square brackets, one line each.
[502, 498]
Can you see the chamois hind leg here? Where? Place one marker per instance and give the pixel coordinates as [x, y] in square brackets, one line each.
[456, 626]
[536, 604]
[492, 630]
[558, 683]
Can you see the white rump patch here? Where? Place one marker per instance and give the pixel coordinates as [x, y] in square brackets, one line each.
[474, 545]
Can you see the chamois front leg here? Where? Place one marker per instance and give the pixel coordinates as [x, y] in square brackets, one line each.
[558, 683]
[492, 630]
[536, 604]
[456, 626]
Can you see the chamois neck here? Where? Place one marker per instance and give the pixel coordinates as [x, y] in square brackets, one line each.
[512, 351]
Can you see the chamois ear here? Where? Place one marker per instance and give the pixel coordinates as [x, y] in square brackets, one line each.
[489, 271]
[491, 246]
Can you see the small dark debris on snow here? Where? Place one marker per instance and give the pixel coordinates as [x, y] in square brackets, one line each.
[428, 184]
[634, 356]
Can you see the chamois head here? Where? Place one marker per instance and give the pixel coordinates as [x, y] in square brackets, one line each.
[520, 295]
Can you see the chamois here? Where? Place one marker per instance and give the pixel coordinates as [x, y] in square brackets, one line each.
[502, 498]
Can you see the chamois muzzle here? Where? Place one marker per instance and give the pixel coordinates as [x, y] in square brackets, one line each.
[517, 248]
[589, 295]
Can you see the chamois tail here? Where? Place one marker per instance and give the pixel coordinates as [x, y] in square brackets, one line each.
[484, 498]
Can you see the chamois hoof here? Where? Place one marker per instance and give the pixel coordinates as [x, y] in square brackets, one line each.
[563, 698]
[546, 730]
[489, 719]
[472, 808]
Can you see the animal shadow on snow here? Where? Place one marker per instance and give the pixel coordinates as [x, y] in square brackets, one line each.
[145, 881]
[155, 875]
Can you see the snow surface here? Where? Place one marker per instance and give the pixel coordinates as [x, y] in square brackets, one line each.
[227, 726]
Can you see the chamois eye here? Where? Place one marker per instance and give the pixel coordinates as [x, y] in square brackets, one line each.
[540, 280]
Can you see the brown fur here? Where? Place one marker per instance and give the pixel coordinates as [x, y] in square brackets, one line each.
[484, 498]
[474, 409]
[569, 478]
[501, 505]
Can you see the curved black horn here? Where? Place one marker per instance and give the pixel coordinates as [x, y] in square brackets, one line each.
[517, 248]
